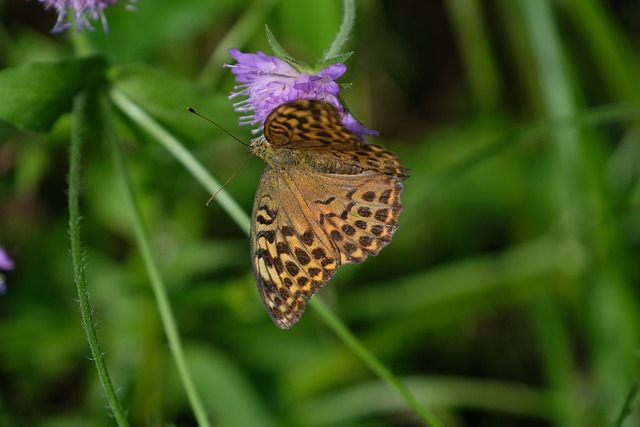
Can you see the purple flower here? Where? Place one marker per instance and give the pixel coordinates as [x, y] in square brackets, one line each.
[268, 82]
[83, 12]
[6, 263]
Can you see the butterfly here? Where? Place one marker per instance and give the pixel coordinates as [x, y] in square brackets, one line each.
[326, 198]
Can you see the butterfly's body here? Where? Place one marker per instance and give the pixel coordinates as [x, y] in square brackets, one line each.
[326, 198]
[317, 161]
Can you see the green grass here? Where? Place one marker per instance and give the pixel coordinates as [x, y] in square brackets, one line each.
[508, 297]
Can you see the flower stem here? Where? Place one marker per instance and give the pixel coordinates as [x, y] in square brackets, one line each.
[157, 283]
[146, 122]
[348, 20]
[372, 361]
[78, 260]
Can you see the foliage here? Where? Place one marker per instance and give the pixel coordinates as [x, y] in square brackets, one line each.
[509, 295]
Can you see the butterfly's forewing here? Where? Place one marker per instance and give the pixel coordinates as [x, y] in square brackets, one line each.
[308, 123]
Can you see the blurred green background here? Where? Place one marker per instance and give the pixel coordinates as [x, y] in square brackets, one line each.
[508, 297]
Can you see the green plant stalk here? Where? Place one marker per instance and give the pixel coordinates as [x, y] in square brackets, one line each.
[348, 20]
[152, 127]
[479, 60]
[78, 261]
[157, 283]
[372, 362]
[627, 406]
[559, 101]
[168, 141]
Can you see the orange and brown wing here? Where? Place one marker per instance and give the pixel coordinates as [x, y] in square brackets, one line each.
[308, 123]
[315, 127]
[305, 225]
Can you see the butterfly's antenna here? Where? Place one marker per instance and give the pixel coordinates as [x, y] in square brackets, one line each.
[191, 110]
[228, 180]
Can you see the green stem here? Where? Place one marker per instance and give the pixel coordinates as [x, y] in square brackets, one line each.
[157, 283]
[372, 361]
[627, 407]
[146, 122]
[78, 260]
[348, 20]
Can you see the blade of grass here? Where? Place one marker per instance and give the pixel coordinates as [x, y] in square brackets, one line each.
[157, 283]
[373, 362]
[348, 20]
[627, 406]
[588, 212]
[168, 141]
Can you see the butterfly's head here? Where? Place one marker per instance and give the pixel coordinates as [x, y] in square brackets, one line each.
[259, 146]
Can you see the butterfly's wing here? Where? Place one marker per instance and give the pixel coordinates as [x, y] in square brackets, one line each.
[306, 224]
[316, 127]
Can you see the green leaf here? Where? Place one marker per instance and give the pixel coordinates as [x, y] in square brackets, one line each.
[281, 53]
[35, 95]
[276, 47]
[323, 63]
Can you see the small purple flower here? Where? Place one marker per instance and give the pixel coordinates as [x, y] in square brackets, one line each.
[268, 82]
[265, 80]
[83, 11]
[6, 264]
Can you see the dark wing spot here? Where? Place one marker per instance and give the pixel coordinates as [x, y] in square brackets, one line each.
[326, 262]
[350, 248]
[347, 209]
[385, 196]
[264, 255]
[365, 241]
[314, 271]
[348, 230]
[292, 268]
[307, 238]
[302, 257]
[364, 211]
[369, 196]
[277, 263]
[336, 235]
[382, 214]
[287, 231]
[318, 253]
[377, 230]
[326, 202]
[270, 235]
[362, 225]
[264, 221]
[302, 281]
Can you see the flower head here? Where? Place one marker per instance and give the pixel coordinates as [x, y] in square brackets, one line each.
[268, 82]
[83, 12]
